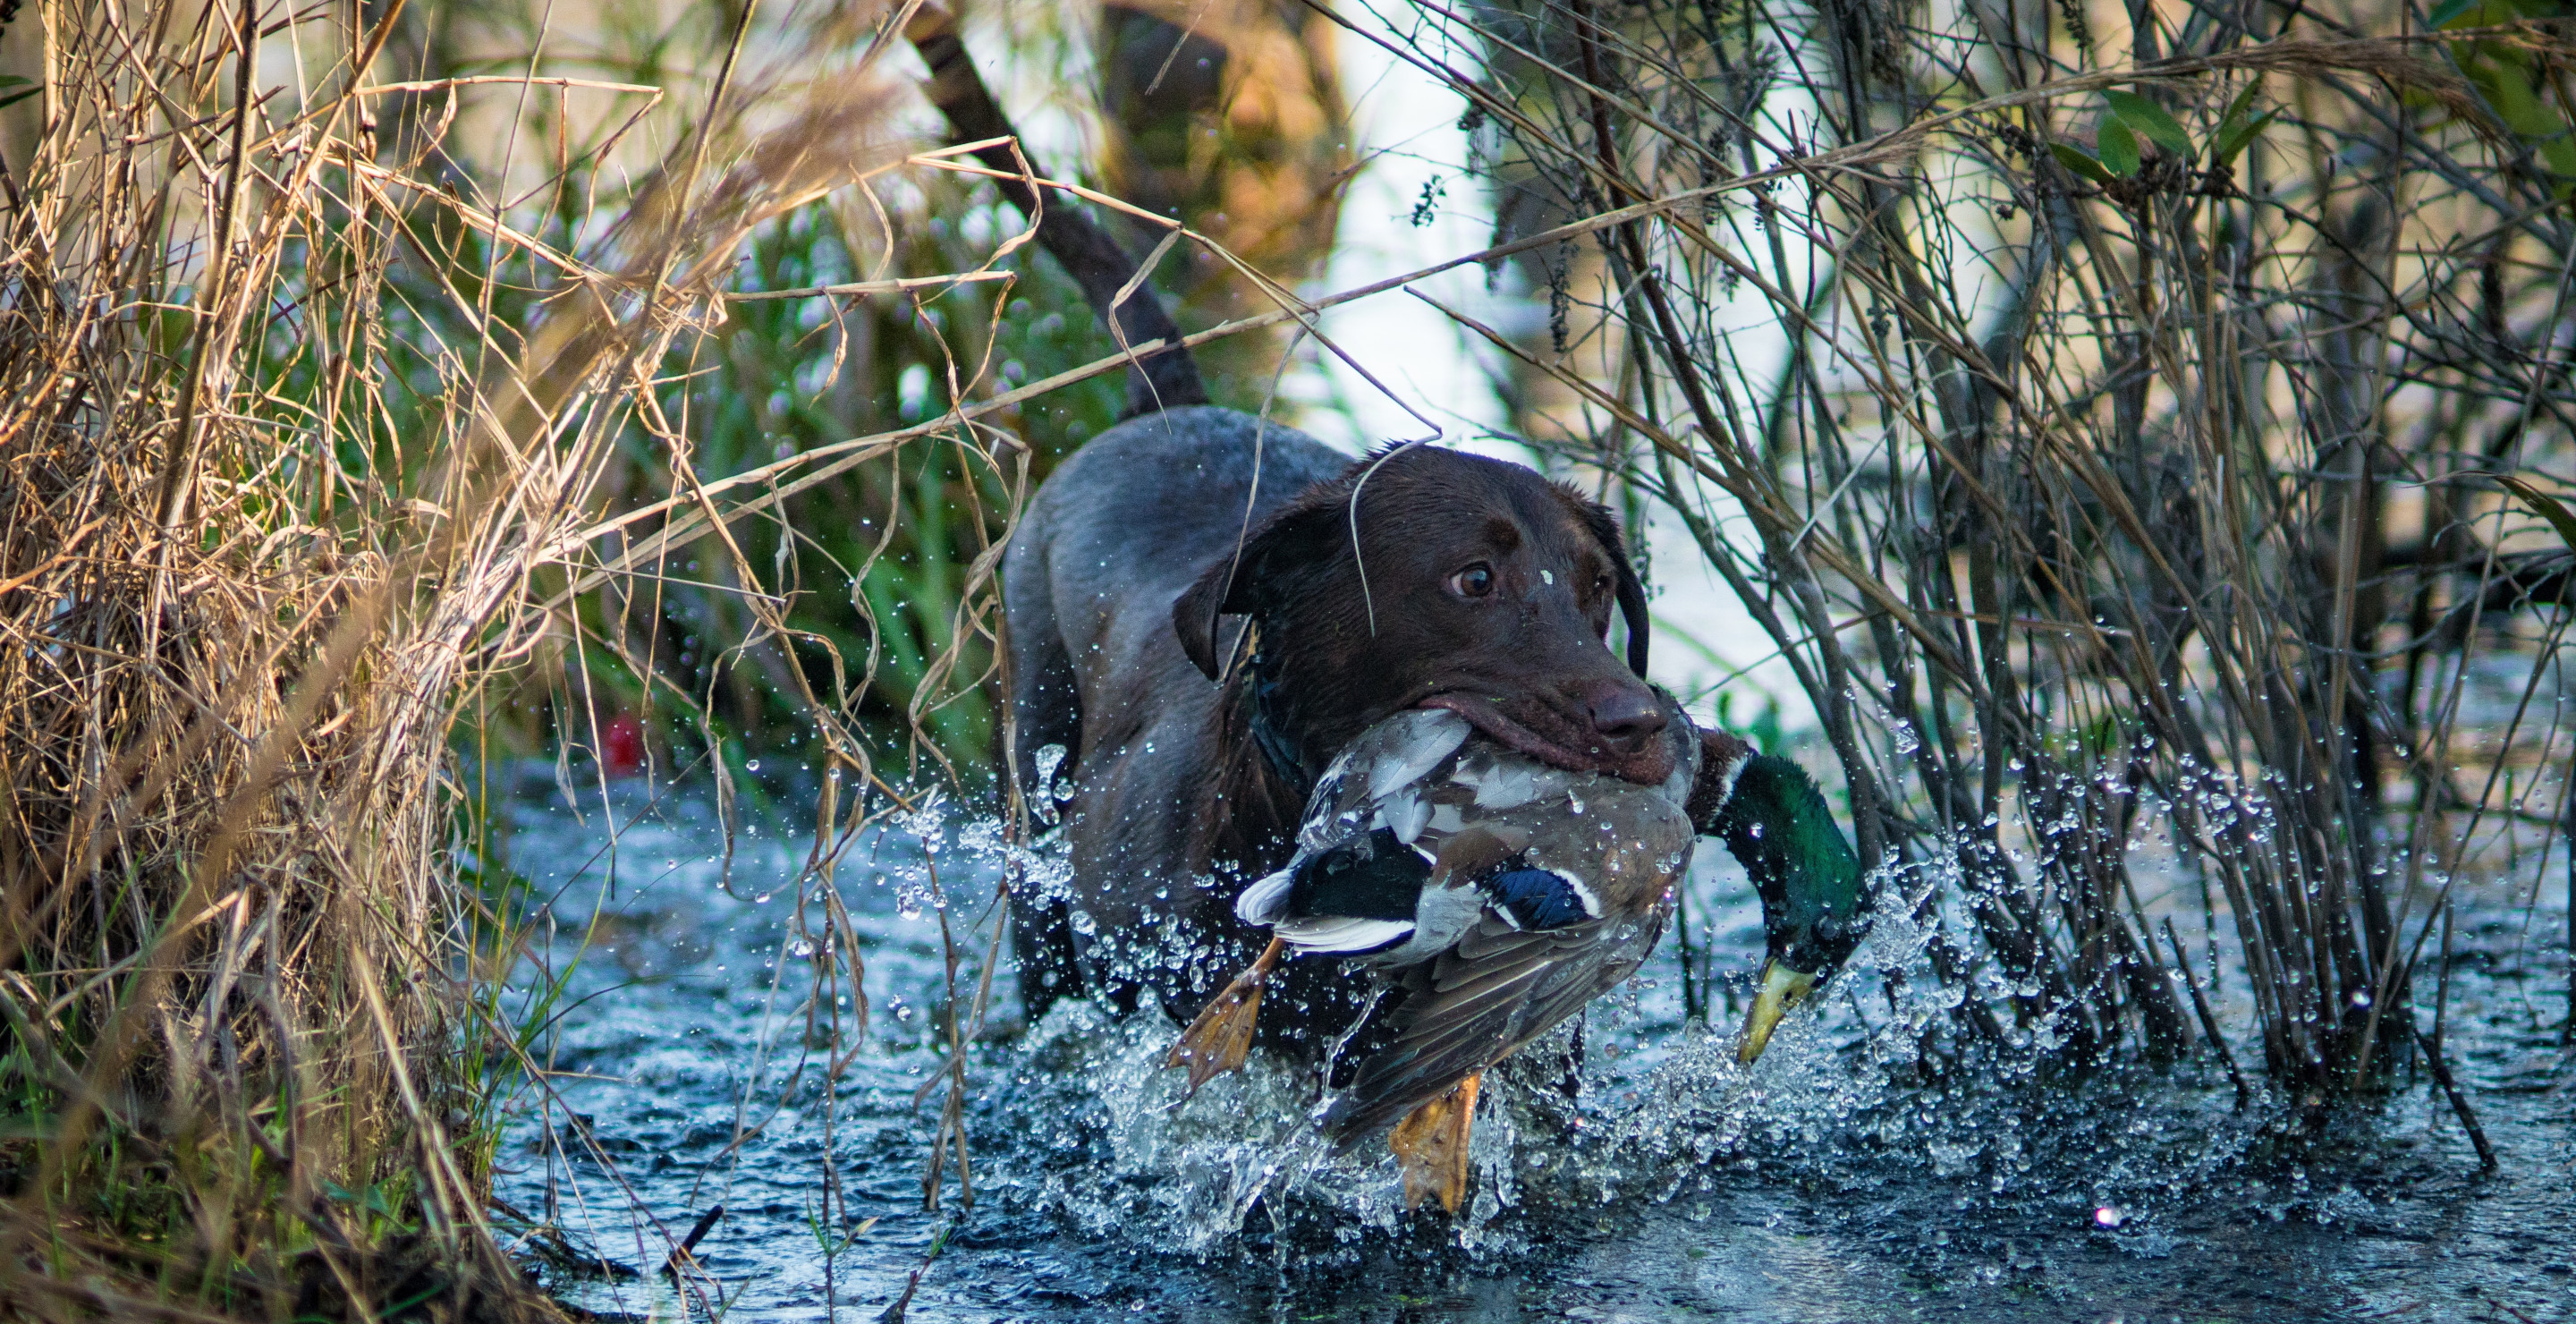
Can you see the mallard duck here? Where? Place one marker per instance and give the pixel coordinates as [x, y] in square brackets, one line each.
[1815, 910]
[1494, 896]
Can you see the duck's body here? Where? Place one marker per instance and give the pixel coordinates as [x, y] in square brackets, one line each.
[1492, 894]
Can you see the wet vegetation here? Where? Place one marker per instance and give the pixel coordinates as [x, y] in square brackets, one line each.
[2141, 432]
[2158, 434]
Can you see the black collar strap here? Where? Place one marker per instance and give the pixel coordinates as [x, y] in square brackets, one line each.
[1258, 686]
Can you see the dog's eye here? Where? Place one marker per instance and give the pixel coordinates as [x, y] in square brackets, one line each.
[1473, 582]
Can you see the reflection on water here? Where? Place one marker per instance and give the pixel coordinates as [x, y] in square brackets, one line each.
[687, 1067]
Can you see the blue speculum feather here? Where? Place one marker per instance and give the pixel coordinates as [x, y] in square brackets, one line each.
[1537, 899]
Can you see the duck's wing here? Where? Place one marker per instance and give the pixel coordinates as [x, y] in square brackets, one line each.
[1497, 989]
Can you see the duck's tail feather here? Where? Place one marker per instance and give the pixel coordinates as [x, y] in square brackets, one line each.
[1265, 902]
[1337, 935]
[1165, 378]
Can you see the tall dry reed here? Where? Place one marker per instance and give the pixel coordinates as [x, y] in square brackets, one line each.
[301, 432]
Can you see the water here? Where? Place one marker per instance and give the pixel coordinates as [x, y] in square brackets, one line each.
[685, 1072]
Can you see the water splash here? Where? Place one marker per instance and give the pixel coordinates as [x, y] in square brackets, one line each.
[694, 1075]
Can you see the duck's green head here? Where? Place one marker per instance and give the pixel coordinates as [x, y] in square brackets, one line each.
[1814, 911]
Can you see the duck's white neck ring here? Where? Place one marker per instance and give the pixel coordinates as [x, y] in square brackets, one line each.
[1726, 778]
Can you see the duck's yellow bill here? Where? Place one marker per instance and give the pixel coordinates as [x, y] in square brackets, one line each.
[1782, 989]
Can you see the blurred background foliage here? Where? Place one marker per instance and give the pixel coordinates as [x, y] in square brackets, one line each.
[1228, 116]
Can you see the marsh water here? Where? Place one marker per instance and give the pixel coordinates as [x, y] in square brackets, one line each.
[689, 1066]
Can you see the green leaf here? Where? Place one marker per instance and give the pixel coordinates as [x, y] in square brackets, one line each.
[2074, 159]
[2510, 90]
[2244, 102]
[13, 80]
[2546, 506]
[15, 97]
[2150, 119]
[2560, 154]
[2119, 148]
[2237, 139]
[2452, 11]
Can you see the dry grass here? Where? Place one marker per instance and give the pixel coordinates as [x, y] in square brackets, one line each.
[329, 438]
[229, 931]
[295, 435]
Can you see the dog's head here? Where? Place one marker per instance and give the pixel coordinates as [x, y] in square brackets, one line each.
[1426, 578]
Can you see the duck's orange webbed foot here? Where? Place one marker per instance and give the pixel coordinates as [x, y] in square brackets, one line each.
[1431, 1144]
[1221, 1037]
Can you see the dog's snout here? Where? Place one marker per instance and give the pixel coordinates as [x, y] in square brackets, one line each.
[1625, 715]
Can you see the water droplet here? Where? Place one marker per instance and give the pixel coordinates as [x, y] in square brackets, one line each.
[800, 948]
[752, 766]
[2109, 1215]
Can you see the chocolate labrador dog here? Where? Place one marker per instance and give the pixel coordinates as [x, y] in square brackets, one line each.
[1202, 609]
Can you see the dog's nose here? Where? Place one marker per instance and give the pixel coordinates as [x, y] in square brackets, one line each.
[1625, 716]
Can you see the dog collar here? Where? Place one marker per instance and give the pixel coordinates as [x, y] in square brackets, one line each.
[1258, 686]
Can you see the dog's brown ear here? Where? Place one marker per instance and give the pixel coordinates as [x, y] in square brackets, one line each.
[1296, 540]
[1632, 590]
[1195, 611]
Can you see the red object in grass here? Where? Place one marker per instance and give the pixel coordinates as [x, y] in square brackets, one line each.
[622, 745]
